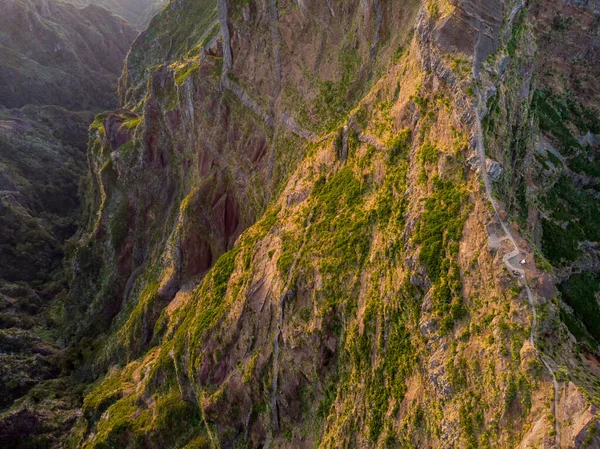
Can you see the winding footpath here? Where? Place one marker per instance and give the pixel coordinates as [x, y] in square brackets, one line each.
[516, 252]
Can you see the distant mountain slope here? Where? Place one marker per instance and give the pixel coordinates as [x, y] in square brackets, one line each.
[136, 12]
[55, 53]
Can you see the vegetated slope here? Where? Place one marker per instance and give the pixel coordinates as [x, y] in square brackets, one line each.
[51, 52]
[42, 160]
[551, 179]
[289, 247]
[136, 12]
[54, 53]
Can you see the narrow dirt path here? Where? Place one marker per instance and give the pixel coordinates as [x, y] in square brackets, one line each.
[519, 271]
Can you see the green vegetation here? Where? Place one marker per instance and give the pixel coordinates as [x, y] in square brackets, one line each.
[176, 420]
[440, 225]
[394, 360]
[470, 418]
[127, 424]
[182, 30]
[518, 31]
[104, 393]
[461, 66]
[337, 98]
[554, 112]
[438, 232]
[574, 217]
[580, 292]
[400, 145]
[592, 432]
[559, 244]
[561, 22]
[429, 154]
[338, 241]
[212, 292]
[557, 115]
[574, 213]
[183, 73]
[433, 8]
[575, 326]
[131, 122]
[340, 225]
[221, 273]
[42, 165]
[98, 123]
[119, 224]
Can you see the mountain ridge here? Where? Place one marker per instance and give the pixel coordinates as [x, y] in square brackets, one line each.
[55, 53]
[387, 242]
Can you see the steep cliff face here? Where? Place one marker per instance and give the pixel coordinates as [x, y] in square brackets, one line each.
[325, 224]
[54, 53]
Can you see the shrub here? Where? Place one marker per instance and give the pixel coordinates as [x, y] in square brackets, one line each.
[580, 292]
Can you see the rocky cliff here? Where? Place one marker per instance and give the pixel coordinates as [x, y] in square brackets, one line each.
[343, 224]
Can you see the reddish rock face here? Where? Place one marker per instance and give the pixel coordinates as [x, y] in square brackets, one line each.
[257, 149]
[221, 372]
[196, 254]
[205, 161]
[458, 31]
[125, 258]
[232, 219]
[115, 131]
[173, 118]
[227, 218]
[225, 117]
[204, 372]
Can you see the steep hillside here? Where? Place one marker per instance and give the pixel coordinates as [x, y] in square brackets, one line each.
[341, 224]
[54, 53]
[42, 159]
